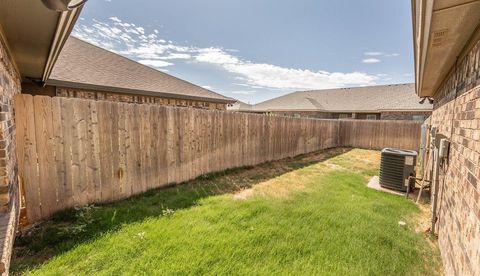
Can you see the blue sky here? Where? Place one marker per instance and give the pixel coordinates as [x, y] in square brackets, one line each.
[254, 50]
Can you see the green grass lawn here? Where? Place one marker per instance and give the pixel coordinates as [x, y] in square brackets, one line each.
[307, 215]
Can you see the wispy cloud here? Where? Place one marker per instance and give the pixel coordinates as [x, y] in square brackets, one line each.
[246, 92]
[148, 48]
[371, 60]
[373, 53]
[155, 63]
[374, 56]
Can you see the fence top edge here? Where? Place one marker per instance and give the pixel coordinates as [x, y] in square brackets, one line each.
[236, 113]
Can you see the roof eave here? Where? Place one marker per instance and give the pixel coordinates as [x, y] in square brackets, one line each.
[34, 35]
[65, 24]
[440, 38]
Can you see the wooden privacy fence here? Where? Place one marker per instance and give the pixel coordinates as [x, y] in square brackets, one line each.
[74, 151]
[380, 134]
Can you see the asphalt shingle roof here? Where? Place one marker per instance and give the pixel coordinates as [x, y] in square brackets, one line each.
[370, 98]
[83, 65]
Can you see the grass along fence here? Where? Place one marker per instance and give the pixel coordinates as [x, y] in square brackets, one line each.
[74, 151]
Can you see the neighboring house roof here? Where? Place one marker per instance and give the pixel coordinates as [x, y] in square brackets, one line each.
[397, 97]
[85, 66]
[240, 106]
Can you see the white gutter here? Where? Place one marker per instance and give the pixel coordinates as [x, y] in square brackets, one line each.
[65, 24]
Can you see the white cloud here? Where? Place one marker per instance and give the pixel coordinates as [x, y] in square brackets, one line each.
[392, 55]
[115, 19]
[148, 48]
[248, 85]
[247, 92]
[373, 54]
[215, 56]
[371, 60]
[207, 87]
[271, 76]
[381, 54]
[155, 63]
[177, 56]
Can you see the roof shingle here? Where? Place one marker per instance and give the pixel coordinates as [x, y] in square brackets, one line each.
[360, 99]
[83, 65]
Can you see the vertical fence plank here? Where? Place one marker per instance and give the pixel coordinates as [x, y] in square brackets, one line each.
[130, 160]
[105, 142]
[93, 167]
[122, 150]
[163, 146]
[135, 149]
[59, 149]
[67, 122]
[79, 129]
[27, 154]
[170, 145]
[45, 150]
[154, 142]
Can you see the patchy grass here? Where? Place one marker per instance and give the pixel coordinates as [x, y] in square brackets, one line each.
[306, 215]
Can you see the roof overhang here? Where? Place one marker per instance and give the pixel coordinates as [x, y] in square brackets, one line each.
[121, 90]
[441, 30]
[35, 35]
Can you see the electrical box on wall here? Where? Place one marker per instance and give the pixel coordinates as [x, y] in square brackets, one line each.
[443, 148]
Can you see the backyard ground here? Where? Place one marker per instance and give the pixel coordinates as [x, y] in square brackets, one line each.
[311, 214]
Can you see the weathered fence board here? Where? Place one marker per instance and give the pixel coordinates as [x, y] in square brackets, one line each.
[380, 134]
[74, 151]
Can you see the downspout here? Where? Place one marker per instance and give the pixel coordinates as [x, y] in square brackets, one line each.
[435, 188]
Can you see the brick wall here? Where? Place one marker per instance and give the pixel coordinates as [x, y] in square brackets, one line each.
[404, 115]
[9, 192]
[457, 116]
[392, 115]
[9, 86]
[303, 114]
[118, 97]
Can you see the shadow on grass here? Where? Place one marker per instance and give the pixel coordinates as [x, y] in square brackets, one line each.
[71, 227]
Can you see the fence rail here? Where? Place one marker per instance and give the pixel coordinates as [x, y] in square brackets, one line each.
[74, 151]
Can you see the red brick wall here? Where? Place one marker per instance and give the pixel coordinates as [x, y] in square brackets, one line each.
[392, 115]
[303, 114]
[9, 86]
[9, 192]
[457, 116]
[117, 97]
[404, 115]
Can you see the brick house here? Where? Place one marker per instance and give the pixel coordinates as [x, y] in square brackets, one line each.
[87, 71]
[32, 34]
[382, 102]
[447, 64]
